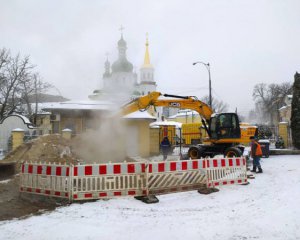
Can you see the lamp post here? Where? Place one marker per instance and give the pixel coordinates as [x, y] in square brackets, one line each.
[208, 69]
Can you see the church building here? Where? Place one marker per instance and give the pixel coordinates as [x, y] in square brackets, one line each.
[120, 79]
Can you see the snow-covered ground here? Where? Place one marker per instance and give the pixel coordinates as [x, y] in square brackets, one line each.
[268, 208]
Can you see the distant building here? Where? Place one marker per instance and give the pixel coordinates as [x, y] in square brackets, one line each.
[120, 79]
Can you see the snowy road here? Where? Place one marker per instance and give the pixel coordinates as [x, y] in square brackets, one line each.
[268, 208]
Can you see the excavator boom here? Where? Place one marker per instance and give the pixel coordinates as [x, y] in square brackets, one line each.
[174, 101]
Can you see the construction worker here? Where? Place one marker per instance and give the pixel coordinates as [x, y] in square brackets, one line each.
[256, 153]
[165, 146]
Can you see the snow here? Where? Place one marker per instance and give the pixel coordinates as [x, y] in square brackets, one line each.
[139, 115]
[166, 123]
[264, 141]
[18, 130]
[79, 105]
[5, 181]
[268, 208]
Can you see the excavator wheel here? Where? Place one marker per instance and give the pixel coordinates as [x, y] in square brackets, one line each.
[195, 152]
[233, 152]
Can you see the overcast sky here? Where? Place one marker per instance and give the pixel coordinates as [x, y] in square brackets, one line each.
[245, 41]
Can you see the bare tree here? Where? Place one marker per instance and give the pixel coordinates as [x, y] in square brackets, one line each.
[269, 98]
[18, 82]
[217, 105]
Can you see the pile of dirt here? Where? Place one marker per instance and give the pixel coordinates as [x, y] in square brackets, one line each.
[48, 148]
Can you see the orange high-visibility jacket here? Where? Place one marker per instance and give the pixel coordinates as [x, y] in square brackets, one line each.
[256, 150]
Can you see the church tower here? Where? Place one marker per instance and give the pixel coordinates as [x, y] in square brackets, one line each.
[121, 79]
[147, 83]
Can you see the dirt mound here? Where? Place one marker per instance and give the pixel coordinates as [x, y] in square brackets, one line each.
[48, 148]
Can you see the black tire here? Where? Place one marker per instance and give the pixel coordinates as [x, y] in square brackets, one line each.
[195, 152]
[233, 152]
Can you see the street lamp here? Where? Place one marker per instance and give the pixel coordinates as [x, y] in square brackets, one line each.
[208, 69]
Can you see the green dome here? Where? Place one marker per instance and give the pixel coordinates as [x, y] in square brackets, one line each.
[122, 65]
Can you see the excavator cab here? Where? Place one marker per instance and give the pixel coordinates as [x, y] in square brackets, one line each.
[224, 126]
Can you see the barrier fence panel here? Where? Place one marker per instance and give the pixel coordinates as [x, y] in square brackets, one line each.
[96, 181]
[45, 179]
[224, 171]
[175, 176]
[108, 180]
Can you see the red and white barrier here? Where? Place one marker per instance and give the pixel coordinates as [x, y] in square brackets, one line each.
[108, 180]
[96, 181]
[224, 171]
[45, 179]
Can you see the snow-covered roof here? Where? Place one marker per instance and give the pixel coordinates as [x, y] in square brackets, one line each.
[79, 105]
[139, 115]
[166, 123]
[183, 113]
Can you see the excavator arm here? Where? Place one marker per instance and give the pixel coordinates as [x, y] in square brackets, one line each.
[173, 101]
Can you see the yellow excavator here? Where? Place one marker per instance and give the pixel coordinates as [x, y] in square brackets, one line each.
[223, 129]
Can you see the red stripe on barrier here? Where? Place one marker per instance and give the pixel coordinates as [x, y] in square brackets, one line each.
[230, 162]
[150, 168]
[143, 167]
[103, 194]
[207, 164]
[223, 163]
[185, 188]
[174, 189]
[232, 182]
[29, 190]
[102, 169]
[239, 181]
[47, 192]
[66, 194]
[58, 171]
[75, 171]
[75, 196]
[48, 170]
[195, 164]
[23, 168]
[144, 192]
[209, 185]
[131, 192]
[38, 190]
[57, 193]
[225, 183]
[203, 163]
[131, 168]
[117, 193]
[88, 195]
[215, 163]
[161, 167]
[117, 169]
[184, 165]
[217, 184]
[237, 162]
[67, 171]
[21, 188]
[173, 166]
[30, 168]
[244, 161]
[39, 169]
[88, 170]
